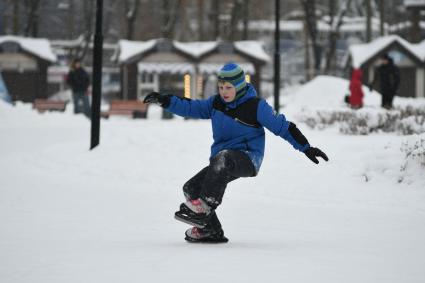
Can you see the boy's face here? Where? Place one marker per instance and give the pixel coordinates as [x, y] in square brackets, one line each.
[227, 91]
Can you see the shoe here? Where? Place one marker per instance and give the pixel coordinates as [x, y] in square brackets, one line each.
[203, 235]
[194, 212]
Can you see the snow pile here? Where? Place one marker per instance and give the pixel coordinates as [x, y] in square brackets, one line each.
[320, 104]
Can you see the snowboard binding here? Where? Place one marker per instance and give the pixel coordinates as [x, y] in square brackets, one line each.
[204, 235]
[207, 227]
[186, 215]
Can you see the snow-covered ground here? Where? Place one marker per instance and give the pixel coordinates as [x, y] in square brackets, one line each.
[68, 214]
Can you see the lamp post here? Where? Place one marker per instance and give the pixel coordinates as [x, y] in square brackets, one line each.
[97, 76]
[277, 57]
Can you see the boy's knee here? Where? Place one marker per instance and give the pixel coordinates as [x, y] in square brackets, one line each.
[189, 191]
[221, 161]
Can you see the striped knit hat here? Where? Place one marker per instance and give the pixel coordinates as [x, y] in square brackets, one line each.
[233, 74]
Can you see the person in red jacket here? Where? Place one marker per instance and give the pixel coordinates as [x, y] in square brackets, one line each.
[356, 93]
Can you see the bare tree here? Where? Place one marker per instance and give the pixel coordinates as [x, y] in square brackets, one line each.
[32, 16]
[245, 17]
[381, 16]
[309, 7]
[335, 24]
[71, 19]
[16, 22]
[201, 20]
[216, 18]
[131, 12]
[235, 9]
[170, 15]
[88, 12]
[368, 20]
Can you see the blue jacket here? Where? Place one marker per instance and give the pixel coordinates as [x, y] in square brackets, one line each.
[231, 134]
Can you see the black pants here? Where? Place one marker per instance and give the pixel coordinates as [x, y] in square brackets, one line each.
[387, 99]
[210, 183]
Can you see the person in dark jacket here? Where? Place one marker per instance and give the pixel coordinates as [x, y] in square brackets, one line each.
[388, 76]
[238, 118]
[79, 81]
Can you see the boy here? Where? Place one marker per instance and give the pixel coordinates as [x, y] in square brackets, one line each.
[238, 119]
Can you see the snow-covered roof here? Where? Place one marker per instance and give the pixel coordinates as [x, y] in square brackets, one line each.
[252, 48]
[414, 3]
[350, 24]
[173, 68]
[37, 46]
[197, 48]
[127, 49]
[360, 53]
[213, 68]
[419, 48]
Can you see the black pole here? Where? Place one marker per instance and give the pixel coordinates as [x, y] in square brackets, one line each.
[97, 76]
[277, 57]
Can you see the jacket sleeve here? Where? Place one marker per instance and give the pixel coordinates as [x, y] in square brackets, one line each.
[199, 109]
[278, 125]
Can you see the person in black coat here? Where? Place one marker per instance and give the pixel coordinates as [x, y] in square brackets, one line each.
[79, 81]
[388, 76]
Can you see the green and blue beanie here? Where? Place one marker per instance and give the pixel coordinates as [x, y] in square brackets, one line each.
[233, 74]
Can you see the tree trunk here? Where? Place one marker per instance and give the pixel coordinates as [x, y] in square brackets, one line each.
[216, 18]
[245, 18]
[31, 7]
[71, 20]
[311, 23]
[16, 23]
[88, 8]
[307, 64]
[415, 31]
[131, 12]
[332, 38]
[368, 21]
[201, 20]
[169, 17]
[335, 25]
[382, 17]
[234, 17]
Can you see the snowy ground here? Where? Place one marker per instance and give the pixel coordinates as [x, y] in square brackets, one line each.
[68, 214]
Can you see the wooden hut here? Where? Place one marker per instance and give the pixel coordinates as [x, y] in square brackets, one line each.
[182, 68]
[408, 57]
[23, 64]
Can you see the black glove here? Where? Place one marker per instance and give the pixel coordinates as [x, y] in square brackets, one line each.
[313, 152]
[155, 97]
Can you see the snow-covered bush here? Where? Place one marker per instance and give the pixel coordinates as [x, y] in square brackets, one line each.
[414, 150]
[405, 120]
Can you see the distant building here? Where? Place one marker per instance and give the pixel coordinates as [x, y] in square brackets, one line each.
[409, 58]
[23, 64]
[183, 68]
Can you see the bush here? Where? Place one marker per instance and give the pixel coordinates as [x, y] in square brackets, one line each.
[405, 120]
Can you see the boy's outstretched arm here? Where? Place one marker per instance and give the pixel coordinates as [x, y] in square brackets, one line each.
[279, 126]
[199, 109]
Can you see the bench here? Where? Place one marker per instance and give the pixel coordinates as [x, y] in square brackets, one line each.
[42, 105]
[131, 108]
